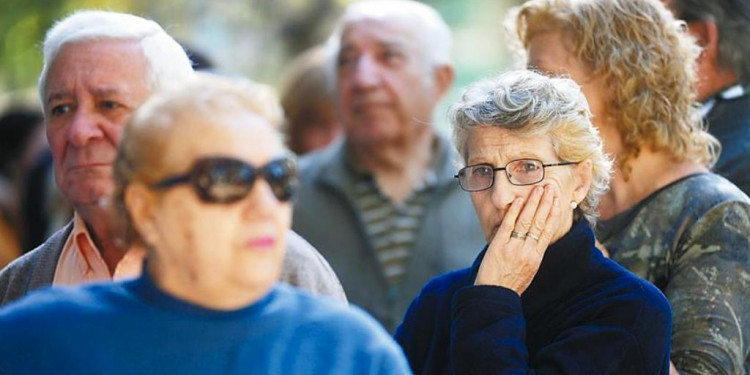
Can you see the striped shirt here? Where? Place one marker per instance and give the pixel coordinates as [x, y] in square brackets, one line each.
[391, 227]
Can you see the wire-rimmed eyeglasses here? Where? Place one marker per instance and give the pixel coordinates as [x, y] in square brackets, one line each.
[520, 172]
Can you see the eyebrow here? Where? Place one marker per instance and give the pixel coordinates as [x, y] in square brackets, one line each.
[382, 44]
[98, 92]
[491, 155]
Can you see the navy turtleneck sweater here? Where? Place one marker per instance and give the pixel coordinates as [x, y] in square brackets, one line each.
[582, 314]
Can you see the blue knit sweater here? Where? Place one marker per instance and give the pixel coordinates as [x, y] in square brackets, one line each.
[133, 327]
[582, 314]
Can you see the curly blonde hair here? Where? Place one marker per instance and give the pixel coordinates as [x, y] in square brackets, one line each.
[647, 59]
[531, 105]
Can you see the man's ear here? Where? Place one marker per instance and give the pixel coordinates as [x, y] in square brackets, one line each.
[706, 34]
[443, 77]
[582, 175]
[140, 202]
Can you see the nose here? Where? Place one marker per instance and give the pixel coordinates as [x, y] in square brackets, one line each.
[503, 192]
[366, 72]
[83, 127]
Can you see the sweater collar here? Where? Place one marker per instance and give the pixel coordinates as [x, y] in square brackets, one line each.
[145, 288]
[563, 269]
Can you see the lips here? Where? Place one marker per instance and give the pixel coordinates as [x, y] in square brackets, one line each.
[262, 242]
[89, 165]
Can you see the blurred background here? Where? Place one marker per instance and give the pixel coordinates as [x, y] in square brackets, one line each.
[257, 39]
[252, 38]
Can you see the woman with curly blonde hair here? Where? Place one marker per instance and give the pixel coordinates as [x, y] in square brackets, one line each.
[665, 217]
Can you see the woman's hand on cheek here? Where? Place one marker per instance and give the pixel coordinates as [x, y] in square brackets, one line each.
[515, 253]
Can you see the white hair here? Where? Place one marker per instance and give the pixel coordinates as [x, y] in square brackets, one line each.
[433, 33]
[167, 61]
[529, 104]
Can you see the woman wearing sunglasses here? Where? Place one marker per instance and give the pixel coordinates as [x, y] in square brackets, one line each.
[540, 298]
[207, 188]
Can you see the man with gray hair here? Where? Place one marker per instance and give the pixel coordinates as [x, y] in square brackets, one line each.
[381, 204]
[722, 29]
[98, 68]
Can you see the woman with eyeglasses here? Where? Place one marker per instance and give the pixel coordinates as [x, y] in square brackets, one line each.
[540, 298]
[666, 217]
[207, 187]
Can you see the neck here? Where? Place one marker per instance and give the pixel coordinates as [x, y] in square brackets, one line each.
[398, 167]
[715, 81]
[201, 290]
[649, 172]
[106, 232]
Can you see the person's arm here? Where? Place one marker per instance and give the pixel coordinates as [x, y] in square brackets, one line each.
[710, 295]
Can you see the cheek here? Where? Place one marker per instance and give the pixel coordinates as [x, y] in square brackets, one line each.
[284, 216]
[484, 209]
[56, 140]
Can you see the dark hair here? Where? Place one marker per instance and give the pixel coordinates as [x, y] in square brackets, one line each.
[16, 127]
[732, 18]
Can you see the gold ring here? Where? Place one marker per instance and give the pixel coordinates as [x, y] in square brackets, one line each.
[533, 236]
[518, 235]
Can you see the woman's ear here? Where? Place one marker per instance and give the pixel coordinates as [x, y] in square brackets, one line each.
[140, 202]
[582, 175]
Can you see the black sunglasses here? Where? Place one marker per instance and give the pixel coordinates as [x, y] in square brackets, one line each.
[227, 180]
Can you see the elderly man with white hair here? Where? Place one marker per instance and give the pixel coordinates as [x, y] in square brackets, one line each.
[381, 204]
[98, 68]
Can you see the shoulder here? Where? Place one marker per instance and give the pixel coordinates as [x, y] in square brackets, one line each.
[342, 327]
[697, 198]
[435, 298]
[34, 269]
[630, 299]
[305, 267]
[312, 164]
[328, 315]
[56, 308]
[712, 208]
[701, 193]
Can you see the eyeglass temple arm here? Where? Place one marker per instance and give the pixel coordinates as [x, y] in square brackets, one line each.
[171, 181]
[560, 164]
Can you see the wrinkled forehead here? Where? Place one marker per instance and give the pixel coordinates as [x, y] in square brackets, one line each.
[398, 31]
[105, 65]
[503, 144]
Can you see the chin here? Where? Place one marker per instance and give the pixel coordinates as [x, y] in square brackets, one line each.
[88, 195]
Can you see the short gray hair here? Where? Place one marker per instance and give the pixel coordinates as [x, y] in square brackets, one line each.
[732, 18]
[167, 61]
[530, 104]
[434, 33]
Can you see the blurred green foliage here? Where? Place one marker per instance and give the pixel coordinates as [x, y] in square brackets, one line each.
[22, 27]
[254, 38]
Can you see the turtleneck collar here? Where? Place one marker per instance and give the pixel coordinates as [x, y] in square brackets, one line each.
[563, 269]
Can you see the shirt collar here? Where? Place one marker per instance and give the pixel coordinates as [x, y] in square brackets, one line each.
[430, 178]
[81, 261]
[730, 93]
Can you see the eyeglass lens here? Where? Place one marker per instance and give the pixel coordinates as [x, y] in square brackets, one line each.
[519, 172]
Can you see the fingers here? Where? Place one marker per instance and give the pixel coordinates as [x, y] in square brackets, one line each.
[552, 223]
[526, 217]
[539, 222]
[508, 225]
